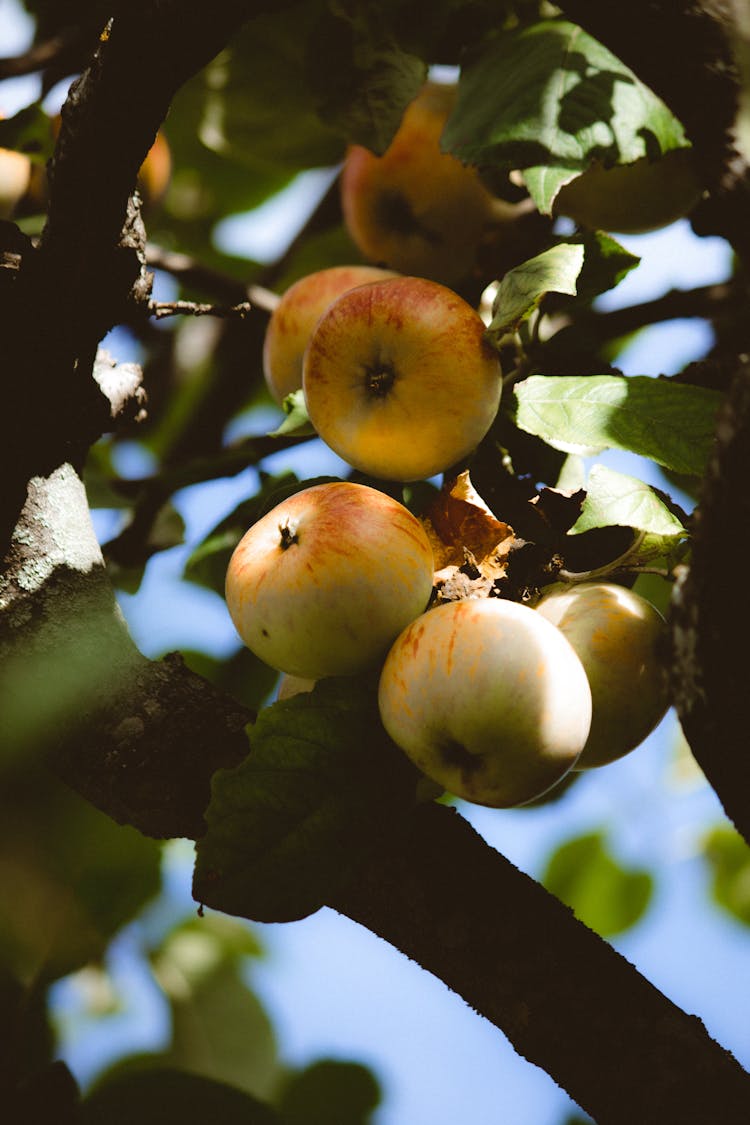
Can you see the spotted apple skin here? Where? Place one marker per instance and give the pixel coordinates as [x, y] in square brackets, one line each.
[617, 635]
[322, 584]
[400, 380]
[488, 700]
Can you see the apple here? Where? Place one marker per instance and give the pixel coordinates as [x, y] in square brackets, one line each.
[616, 634]
[322, 584]
[399, 379]
[15, 175]
[155, 172]
[632, 198]
[488, 699]
[295, 316]
[290, 686]
[417, 209]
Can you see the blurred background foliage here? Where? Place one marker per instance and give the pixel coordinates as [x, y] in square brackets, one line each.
[269, 116]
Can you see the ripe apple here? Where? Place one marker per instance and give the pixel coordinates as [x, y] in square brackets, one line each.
[632, 198]
[155, 172]
[15, 174]
[322, 584]
[295, 316]
[616, 634]
[487, 699]
[399, 379]
[415, 208]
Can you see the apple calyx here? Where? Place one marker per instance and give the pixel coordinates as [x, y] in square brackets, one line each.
[379, 379]
[288, 535]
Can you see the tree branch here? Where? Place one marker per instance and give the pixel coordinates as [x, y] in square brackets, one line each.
[711, 615]
[139, 739]
[566, 1000]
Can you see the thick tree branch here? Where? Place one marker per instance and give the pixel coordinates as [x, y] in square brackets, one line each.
[565, 999]
[82, 274]
[711, 615]
[139, 739]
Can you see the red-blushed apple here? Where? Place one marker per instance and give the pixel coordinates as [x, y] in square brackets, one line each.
[616, 634]
[415, 208]
[295, 316]
[322, 584]
[399, 379]
[487, 699]
[632, 198]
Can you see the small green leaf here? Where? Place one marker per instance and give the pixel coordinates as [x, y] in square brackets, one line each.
[522, 288]
[361, 78]
[549, 98]
[670, 423]
[288, 826]
[605, 264]
[605, 896]
[330, 1090]
[167, 1096]
[297, 420]
[30, 131]
[728, 857]
[614, 498]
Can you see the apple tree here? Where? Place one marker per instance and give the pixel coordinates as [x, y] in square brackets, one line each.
[556, 128]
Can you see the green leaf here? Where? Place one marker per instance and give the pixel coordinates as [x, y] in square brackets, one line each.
[328, 1091]
[288, 826]
[166, 1096]
[258, 107]
[549, 99]
[604, 895]
[670, 423]
[361, 78]
[728, 857]
[613, 498]
[220, 1029]
[73, 876]
[522, 288]
[297, 420]
[29, 131]
[605, 264]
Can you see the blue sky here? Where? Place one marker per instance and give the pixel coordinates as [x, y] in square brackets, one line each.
[330, 986]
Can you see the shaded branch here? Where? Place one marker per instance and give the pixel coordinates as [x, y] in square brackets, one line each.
[566, 1000]
[711, 614]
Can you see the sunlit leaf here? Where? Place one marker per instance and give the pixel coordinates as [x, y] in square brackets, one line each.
[670, 423]
[605, 895]
[549, 98]
[729, 859]
[522, 288]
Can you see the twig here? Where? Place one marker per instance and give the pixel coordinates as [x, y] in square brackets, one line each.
[40, 55]
[268, 301]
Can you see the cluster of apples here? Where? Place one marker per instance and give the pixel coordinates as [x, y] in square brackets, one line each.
[494, 701]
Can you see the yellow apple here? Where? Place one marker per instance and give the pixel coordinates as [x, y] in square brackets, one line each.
[322, 584]
[487, 699]
[399, 379]
[632, 198]
[15, 175]
[290, 686]
[417, 209]
[295, 316]
[616, 634]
